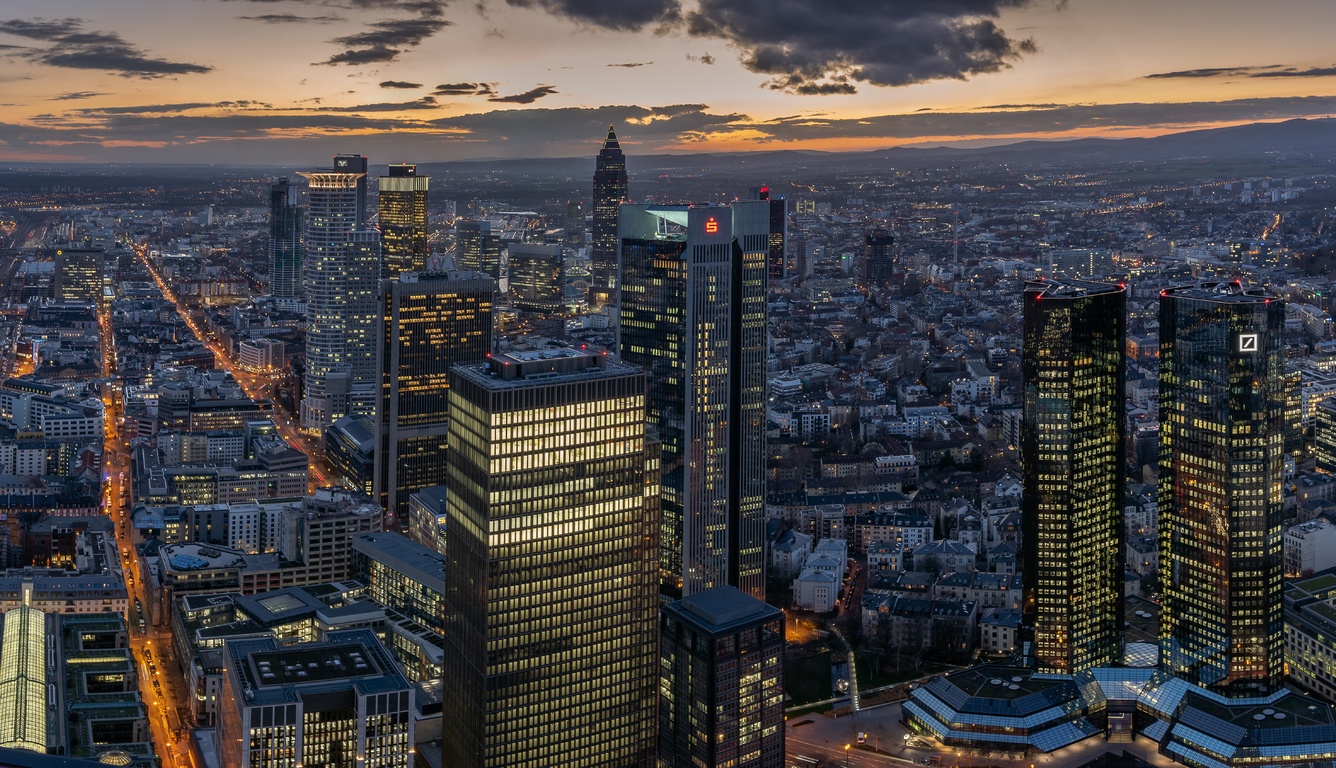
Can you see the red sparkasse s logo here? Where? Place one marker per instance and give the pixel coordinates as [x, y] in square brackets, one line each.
[711, 226]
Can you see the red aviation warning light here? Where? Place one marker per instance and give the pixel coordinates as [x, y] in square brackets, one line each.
[711, 226]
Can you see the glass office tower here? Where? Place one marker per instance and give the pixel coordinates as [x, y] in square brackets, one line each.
[403, 219]
[611, 189]
[692, 312]
[551, 642]
[287, 225]
[478, 248]
[428, 321]
[341, 274]
[1072, 465]
[1222, 408]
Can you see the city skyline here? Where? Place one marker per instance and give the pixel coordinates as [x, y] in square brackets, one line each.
[87, 82]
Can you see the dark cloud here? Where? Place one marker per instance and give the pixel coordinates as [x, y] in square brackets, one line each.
[76, 95]
[632, 64]
[1020, 106]
[704, 58]
[385, 40]
[208, 135]
[1210, 72]
[73, 47]
[189, 106]
[363, 56]
[403, 84]
[572, 131]
[465, 89]
[824, 46]
[1292, 72]
[291, 18]
[528, 97]
[426, 102]
[623, 15]
[827, 46]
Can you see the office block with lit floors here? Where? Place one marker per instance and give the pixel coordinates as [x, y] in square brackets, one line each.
[341, 701]
[1072, 467]
[341, 272]
[693, 313]
[428, 321]
[403, 219]
[478, 248]
[551, 597]
[1222, 409]
[721, 690]
[79, 274]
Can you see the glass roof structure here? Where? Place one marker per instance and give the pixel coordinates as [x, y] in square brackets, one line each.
[23, 680]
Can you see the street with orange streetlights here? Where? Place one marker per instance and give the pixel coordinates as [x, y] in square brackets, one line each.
[252, 384]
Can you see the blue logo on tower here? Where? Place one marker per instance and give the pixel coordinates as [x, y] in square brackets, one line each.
[1247, 342]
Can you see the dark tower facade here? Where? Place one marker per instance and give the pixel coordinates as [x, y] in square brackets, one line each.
[878, 257]
[692, 312]
[1072, 443]
[610, 191]
[551, 648]
[403, 219]
[287, 225]
[1222, 433]
[428, 322]
[721, 681]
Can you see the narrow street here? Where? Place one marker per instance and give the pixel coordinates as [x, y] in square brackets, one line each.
[163, 694]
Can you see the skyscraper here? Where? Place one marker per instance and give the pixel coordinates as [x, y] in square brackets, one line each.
[428, 321]
[355, 164]
[1072, 464]
[611, 189]
[722, 681]
[693, 314]
[478, 248]
[878, 257]
[341, 273]
[287, 226]
[535, 271]
[403, 219]
[551, 642]
[777, 242]
[1222, 408]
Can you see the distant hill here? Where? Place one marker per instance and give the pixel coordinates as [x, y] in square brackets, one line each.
[1293, 139]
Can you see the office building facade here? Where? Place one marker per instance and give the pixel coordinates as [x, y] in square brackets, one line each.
[342, 272]
[479, 248]
[611, 189]
[1222, 404]
[403, 219]
[79, 274]
[428, 321]
[1072, 442]
[536, 273]
[341, 701]
[693, 314]
[878, 257]
[287, 231]
[551, 587]
[721, 696]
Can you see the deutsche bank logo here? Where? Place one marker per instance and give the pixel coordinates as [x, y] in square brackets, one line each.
[1247, 342]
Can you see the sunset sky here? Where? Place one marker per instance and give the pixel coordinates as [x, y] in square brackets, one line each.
[289, 82]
